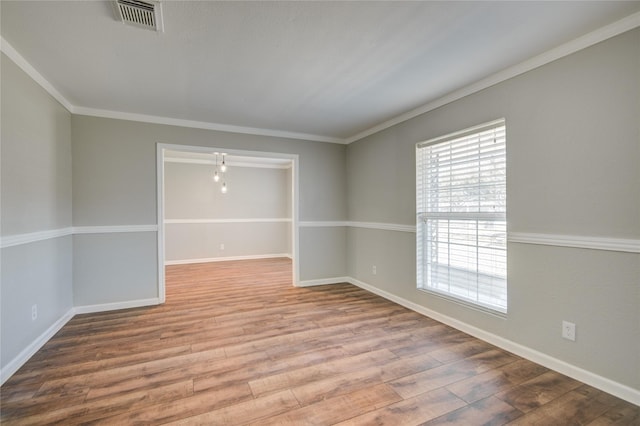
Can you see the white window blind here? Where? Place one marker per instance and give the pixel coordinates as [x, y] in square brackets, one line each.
[461, 216]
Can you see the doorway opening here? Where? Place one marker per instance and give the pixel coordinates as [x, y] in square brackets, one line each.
[255, 216]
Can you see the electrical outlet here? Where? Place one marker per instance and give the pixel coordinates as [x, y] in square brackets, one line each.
[569, 330]
[34, 312]
[374, 270]
[221, 246]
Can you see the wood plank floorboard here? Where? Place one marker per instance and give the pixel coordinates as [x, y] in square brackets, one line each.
[235, 343]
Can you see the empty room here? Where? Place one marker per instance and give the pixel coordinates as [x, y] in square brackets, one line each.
[320, 212]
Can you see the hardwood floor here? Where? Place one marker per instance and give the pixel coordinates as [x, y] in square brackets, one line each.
[237, 344]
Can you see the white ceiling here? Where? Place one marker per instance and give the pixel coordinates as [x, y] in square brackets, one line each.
[329, 70]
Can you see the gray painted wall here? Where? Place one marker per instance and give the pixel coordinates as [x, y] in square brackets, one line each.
[254, 193]
[35, 196]
[573, 129]
[114, 183]
[573, 155]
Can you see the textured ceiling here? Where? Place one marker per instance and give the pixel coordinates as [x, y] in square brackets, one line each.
[330, 69]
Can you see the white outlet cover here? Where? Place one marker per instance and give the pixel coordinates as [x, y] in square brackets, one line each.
[569, 330]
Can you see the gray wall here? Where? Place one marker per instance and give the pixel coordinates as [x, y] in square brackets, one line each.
[573, 129]
[573, 155]
[254, 193]
[114, 183]
[36, 197]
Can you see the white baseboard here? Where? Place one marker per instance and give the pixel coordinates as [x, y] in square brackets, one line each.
[614, 388]
[17, 362]
[225, 259]
[323, 281]
[104, 307]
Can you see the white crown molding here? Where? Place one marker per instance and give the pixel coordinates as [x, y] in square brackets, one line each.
[623, 25]
[250, 220]
[144, 118]
[21, 62]
[576, 241]
[14, 365]
[226, 259]
[113, 229]
[618, 389]
[32, 237]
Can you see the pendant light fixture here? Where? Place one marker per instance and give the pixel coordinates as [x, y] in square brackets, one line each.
[223, 167]
[218, 175]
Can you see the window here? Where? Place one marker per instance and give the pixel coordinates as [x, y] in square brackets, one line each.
[461, 216]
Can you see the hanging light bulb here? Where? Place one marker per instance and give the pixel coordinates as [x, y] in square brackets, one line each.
[224, 187]
[223, 166]
[216, 176]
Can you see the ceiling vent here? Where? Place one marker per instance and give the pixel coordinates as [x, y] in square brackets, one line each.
[142, 14]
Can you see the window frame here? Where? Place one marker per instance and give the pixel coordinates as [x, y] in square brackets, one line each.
[423, 216]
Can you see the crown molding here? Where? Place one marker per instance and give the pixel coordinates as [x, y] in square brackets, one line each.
[21, 62]
[154, 119]
[623, 25]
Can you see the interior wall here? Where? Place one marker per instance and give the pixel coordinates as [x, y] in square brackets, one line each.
[573, 158]
[114, 189]
[202, 224]
[35, 212]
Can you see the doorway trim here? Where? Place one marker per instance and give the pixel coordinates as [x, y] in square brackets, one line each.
[160, 158]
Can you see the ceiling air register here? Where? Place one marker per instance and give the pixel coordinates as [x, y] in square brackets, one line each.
[143, 14]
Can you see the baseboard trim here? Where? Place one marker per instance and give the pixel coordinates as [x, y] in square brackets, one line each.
[607, 385]
[225, 259]
[614, 388]
[323, 281]
[105, 307]
[17, 362]
[24, 356]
